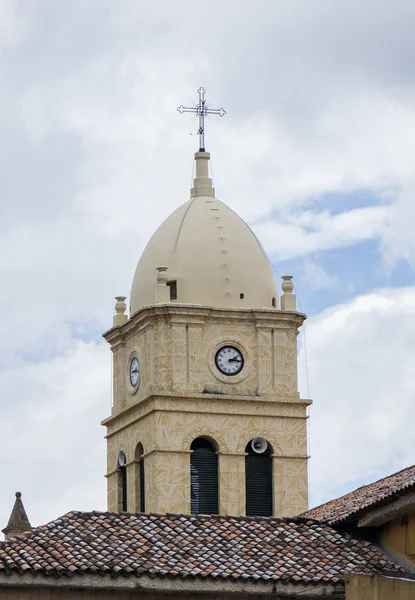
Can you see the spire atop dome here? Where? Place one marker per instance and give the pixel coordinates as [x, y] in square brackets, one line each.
[202, 183]
[201, 110]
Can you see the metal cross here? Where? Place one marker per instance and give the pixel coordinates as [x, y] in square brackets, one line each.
[201, 111]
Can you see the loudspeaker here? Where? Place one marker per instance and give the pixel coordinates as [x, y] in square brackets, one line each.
[122, 459]
[259, 445]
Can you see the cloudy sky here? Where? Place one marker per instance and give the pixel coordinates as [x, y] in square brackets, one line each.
[316, 152]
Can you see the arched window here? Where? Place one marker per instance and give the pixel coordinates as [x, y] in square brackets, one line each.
[140, 502]
[203, 478]
[258, 478]
[122, 482]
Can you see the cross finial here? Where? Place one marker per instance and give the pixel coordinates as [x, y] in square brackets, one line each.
[201, 110]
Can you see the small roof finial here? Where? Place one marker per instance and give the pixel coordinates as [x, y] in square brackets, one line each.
[18, 521]
[120, 307]
[162, 289]
[201, 110]
[288, 301]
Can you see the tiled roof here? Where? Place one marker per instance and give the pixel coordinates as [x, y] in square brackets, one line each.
[233, 548]
[350, 506]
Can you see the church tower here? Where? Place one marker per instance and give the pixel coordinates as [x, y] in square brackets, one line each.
[206, 414]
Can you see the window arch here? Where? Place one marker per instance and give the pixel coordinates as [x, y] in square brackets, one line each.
[122, 482]
[258, 478]
[140, 497]
[204, 491]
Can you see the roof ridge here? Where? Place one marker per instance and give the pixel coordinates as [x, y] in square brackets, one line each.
[366, 485]
[85, 515]
[197, 516]
[383, 478]
[345, 506]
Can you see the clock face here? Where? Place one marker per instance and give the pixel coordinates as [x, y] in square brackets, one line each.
[134, 371]
[229, 360]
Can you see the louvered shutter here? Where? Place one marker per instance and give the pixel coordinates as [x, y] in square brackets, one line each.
[204, 480]
[142, 487]
[258, 477]
[124, 488]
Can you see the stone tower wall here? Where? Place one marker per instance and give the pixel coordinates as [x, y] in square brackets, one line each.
[182, 396]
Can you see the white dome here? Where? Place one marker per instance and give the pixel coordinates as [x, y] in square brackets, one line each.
[210, 252]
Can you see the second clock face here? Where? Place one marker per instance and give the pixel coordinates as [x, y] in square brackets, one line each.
[134, 371]
[229, 360]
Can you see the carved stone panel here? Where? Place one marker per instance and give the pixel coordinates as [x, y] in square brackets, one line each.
[232, 484]
[265, 357]
[197, 358]
[179, 355]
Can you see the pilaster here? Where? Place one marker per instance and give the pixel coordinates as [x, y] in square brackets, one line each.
[132, 481]
[112, 492]
[265, 360]
[290, 485]
[197, 356]
[169, 491]
[179, 350]
[232, 484]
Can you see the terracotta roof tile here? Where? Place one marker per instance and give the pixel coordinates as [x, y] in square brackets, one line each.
[350, 506]
[192, 546]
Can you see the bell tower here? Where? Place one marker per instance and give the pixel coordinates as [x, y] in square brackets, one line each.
[206, 414]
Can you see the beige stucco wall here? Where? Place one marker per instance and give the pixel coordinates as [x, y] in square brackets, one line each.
[182, 396]
[175, 588]
[398, 536]
[50, 593]
[362, 587]
[176, 346]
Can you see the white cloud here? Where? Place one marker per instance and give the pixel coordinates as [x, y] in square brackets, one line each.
[361, 360]
[316, 278]
[398, 239]
[13, 23]
[94, 156]
[53, 448]
[301, 233]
